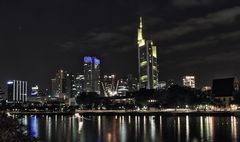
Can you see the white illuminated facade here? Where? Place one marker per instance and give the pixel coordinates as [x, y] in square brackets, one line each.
[189, 81]
[108, 85]
[17, 91]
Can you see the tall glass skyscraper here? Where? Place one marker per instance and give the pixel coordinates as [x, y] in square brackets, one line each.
[147, 61]
[91, 71]
[63, 85]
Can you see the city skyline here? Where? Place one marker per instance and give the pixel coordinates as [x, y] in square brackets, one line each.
[120, 70]
[34, 46]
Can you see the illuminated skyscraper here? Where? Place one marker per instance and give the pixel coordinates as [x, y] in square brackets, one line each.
[17, 91]
[189, 81]
[147, 61]
[79, 82]
[59, 85]
[91, 71]
[109, 85]
[63, 85]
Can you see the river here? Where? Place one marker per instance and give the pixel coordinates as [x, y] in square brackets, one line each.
[60, 128]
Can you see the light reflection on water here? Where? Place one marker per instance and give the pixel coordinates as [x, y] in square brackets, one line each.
[33, 126]
[179, 129]
[133, 128]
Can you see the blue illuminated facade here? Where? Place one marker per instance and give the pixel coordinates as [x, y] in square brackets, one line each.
[88, 59]
[92, 60]
[96, 61]
[91, 71]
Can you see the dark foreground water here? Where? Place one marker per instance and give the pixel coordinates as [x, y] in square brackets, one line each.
[60, 128]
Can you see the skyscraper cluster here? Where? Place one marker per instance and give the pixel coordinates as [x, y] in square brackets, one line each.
[67, 85]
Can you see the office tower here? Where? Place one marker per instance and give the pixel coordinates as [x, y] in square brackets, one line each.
[147, 61]
[91, 71]
[54, 88]
[132, 83]
[70, 85]
[62, 85]
[79, 82]
[189, 81]
[109, 85]
[122, 87]
[59, 85]
[17, 91]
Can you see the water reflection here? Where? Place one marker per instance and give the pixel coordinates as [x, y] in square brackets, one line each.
[234, 129]
[161, 128]
[187, 128]
[179, 129]
[34, 126]
[152, 127]
[132, 128]
[201, 128]
[48, 127]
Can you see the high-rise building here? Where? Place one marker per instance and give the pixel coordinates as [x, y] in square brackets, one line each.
[132, 83]
[54, 88]
[147, 61]
[63, 85]
[59, 85]
[17, 91]
[109, 85]
[79, 82]
[122, 87]
[91, 71]
[70, 85]
[189, 81]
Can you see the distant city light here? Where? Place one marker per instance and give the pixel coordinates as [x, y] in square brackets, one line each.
[10, 82]
[189, 81]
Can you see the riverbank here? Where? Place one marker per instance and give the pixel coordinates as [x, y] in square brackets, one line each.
[12, 131]
[162, 113]
[129, 112]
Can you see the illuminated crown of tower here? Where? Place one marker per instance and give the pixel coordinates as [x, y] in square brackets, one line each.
[141, 41]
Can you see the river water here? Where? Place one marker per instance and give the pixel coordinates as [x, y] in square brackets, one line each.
[59, 128]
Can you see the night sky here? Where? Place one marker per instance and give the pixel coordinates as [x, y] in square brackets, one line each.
[194, 37]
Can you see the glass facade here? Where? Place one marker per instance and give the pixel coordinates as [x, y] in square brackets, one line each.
[147, 62]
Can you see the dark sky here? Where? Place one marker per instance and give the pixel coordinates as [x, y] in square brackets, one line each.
[198, 37]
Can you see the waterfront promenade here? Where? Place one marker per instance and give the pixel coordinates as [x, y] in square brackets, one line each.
[132, 112]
